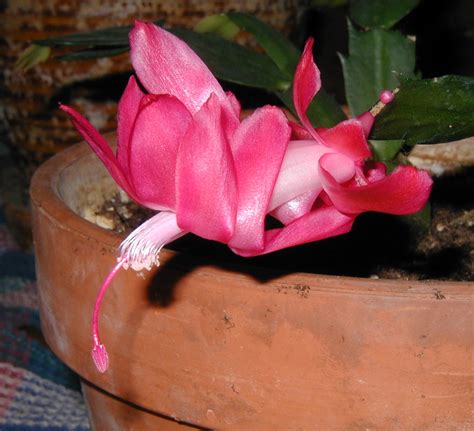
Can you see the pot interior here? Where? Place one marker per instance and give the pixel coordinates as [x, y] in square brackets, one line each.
[85, 185]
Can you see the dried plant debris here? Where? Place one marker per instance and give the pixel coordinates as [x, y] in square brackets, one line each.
[119, 214]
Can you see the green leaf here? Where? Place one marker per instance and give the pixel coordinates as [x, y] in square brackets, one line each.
[419, 223]
[234, 63]
[112, 36]
[375, 57]
[227, 60]
[278, 47]
[32, 56]
[386, 151]
[218, 24]
[323, 111]
[429, 111]
[89, 54]
[380, 13]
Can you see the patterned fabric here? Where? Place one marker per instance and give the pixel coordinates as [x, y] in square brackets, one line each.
[37, 392]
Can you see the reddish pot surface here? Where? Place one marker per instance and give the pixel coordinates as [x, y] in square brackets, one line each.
[244, 348]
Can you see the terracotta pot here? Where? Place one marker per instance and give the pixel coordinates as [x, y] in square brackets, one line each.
[198, 344]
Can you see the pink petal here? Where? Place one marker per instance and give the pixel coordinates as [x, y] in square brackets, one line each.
[343, 170]
[296, 207]
[375, 171]
[405, 191]
[307, 80]
[319, 224]
[127, 113]
[100, 147]
[306, 84]
[166, 65]
[299, 132]
[299, 172]
[231, 113]
[159, 128]
[347, 138]
[206, 191]
[234, 103]
[258, 147]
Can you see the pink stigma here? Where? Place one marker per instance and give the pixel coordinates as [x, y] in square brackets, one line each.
[99, 352]
[386, 96]
[100, 357]
[140, 250]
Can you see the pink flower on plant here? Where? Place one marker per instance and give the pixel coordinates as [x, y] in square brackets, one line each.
[336, 159]
[183, 151]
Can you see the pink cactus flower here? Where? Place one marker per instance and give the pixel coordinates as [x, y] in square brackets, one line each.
[343, 179]
[182, 150]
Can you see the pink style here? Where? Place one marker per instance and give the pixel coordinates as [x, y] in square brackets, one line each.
[183, 151]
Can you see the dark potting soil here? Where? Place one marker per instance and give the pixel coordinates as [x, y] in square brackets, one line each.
[378, 246]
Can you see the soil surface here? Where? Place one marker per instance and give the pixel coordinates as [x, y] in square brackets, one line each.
[379, 245]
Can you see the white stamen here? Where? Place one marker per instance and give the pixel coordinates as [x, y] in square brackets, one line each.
[141, 249]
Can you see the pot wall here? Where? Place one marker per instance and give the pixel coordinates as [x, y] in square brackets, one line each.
[107, 412]
[241, 348]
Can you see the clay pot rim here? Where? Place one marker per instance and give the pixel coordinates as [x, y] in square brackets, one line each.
[45, 194]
